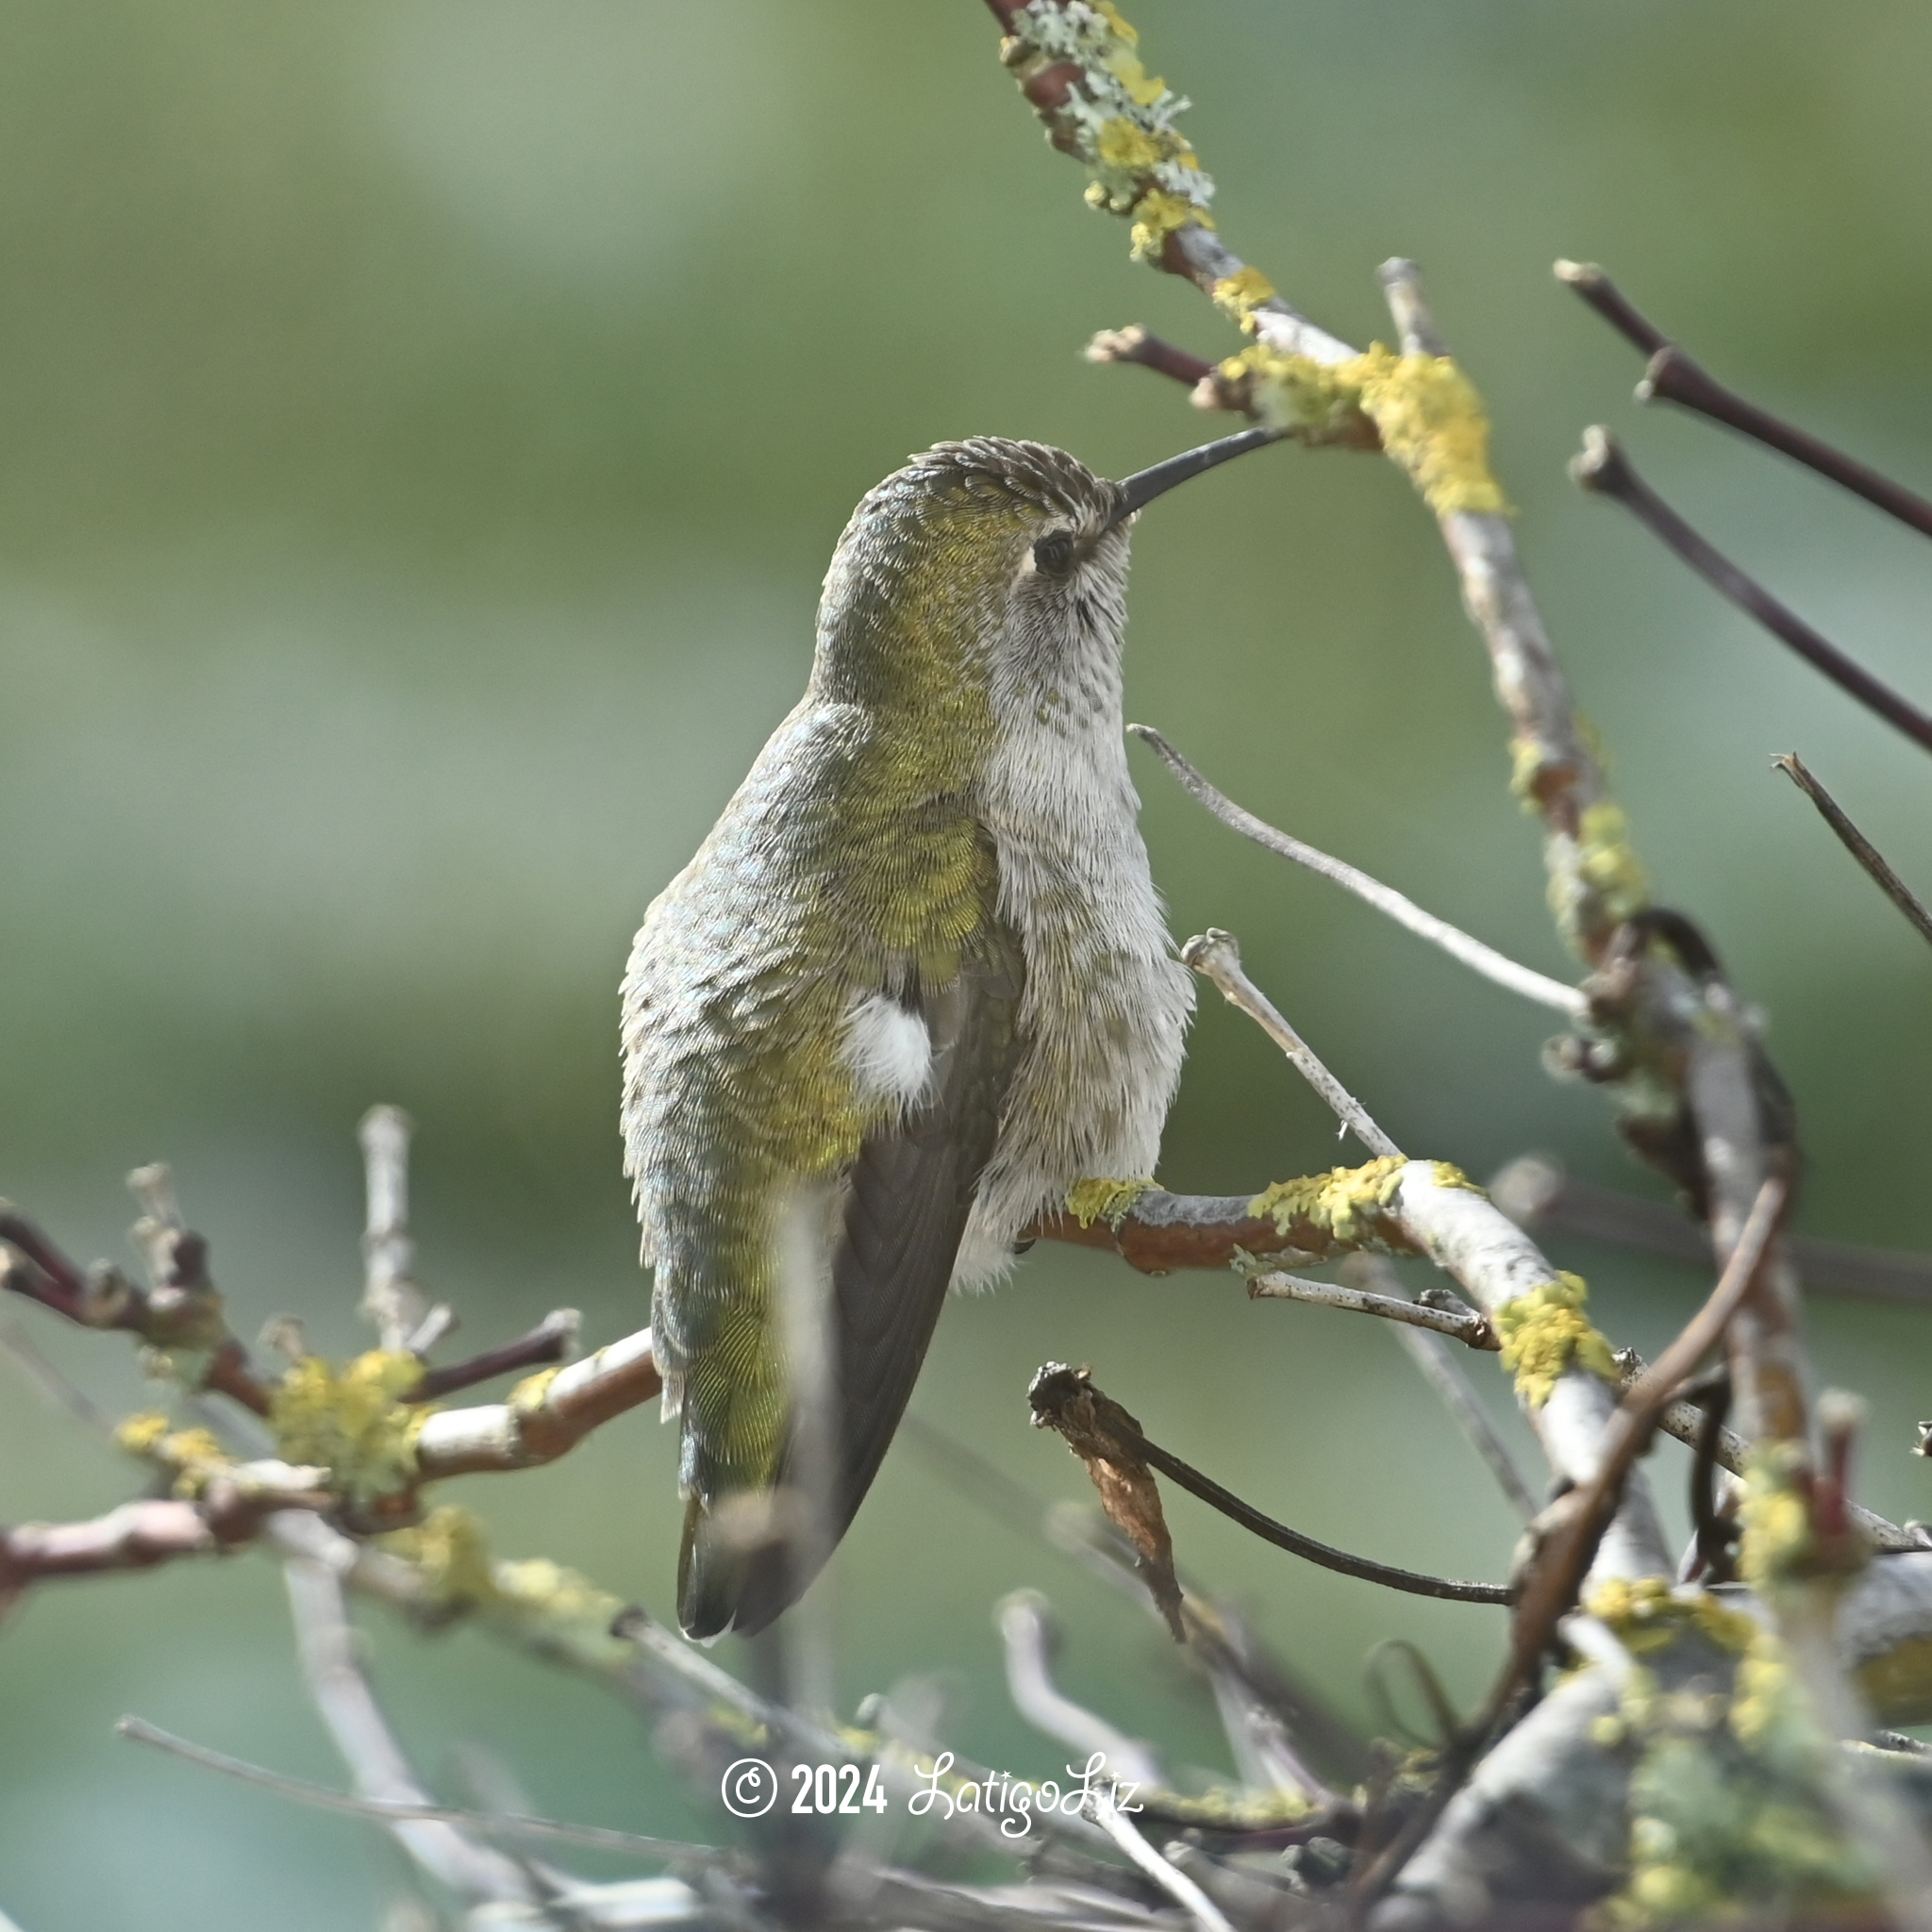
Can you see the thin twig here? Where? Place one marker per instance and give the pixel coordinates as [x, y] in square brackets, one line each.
[1141, 346]
[1684, 1421]
[1282, 1537]
[1178, 1884]
[1461, 1325]
[1217, 1641]
[1856, 842]
[64, 1393]
[1604, 468]
[552, 1340]
[1674, 378]
[1459, 945]
[348, 1708]
[1534, 1191]
[385, 1811]
[1216, 955]
[390, 1298]
[1027, 1629]
[1444, 1375]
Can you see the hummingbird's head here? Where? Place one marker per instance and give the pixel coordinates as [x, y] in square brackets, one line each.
[986, 573]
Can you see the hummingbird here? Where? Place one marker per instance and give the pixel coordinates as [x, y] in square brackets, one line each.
[914, 985]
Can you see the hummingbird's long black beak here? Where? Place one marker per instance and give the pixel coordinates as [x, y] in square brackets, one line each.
[1143, 486]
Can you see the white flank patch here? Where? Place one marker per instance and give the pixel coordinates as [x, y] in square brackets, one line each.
[888, 1051]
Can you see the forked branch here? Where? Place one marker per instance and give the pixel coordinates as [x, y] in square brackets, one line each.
[1673, 377]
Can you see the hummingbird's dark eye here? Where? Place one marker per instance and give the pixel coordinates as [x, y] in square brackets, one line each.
[1052, 555]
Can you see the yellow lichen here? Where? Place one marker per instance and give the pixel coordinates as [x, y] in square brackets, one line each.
[1648, 1614]
[1157, 215]
[1546, 1332]
[533, 1390]
[1121, 144]
[1346, 1202]
[352, 1421]
[192, 1456]
[1238, 295]
[1731, 1816]
[1775, 1519]
[1108, 1201]
[140, 1434]
[1144, 89]
[1111, 14]
[563, 1600]
[1608, 863]
[1432, 425]
[450, 1553]
[544, 1603]
[1424, 408]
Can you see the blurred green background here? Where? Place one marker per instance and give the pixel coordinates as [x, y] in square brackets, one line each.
[423, 428]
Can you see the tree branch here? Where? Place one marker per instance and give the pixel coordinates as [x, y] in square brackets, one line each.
[1534, 1191]
[1673, 377]
[377, 1764]
[1603, 469]
[1460, 1325]
[552, 1340]
[1471, 953]
[1216, 955]
[1432, 1358]
[1856, 842]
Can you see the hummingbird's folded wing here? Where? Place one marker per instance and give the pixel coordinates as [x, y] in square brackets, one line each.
[911, 1192]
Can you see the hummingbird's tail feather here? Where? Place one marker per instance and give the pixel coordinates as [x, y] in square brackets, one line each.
[736, 1567]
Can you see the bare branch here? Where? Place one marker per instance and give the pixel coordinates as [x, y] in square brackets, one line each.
[1027, 1629]
[390, 1299]
[134, 1536]
[1673, 377]
[1461, 1325]
[1856, 842]
[552, 1340]
[1603, 468]
[1534, 1191]
[1444, 1375]
[376, 1765]
[1178, 1884]
[1141, 346]
[1470, 952]
[486, 1824]
[1216, 955]
[1103, 1431]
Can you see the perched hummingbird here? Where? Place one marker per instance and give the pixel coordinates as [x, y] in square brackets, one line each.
[913, 986]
